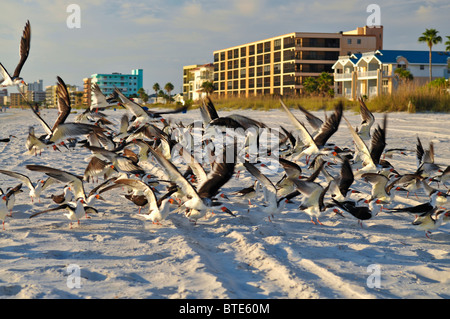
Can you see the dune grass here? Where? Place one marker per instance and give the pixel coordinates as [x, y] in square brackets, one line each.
[412, 98]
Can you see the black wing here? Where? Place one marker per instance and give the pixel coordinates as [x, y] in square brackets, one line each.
[347, 178]
[330, 126]
[24, 48]
[220, 174]
[378, 142]
[63, 103]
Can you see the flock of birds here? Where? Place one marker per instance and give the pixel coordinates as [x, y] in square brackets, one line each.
[142, 157]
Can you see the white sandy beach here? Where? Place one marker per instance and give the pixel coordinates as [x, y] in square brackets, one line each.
[119, 255]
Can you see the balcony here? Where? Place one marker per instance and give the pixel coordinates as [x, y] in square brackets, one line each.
[368, 74]
[342, 76]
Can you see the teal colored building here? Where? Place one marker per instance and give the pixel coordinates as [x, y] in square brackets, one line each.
[127, 83]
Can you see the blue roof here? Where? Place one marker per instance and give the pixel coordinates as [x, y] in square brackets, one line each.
[415, 57]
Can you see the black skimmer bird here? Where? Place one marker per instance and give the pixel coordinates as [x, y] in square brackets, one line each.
[158, 210]
[421, 208]
[313, 196]
[361, 213]
[340, 185]
[431, 220]
[35, 190]
[141, 115]
[367, 120]
[76, 182]
[64, 198]
[443, 177]
[15, 79]
[97, 167]
[274, 205]
[123, 164]
[8, 139]
[442, 197]
[208, 111]
[408, 182]
[199, 201]
[35, 145]
[3, 209]
[381, 188]
[315, 145]
[426, 166]
[76, 211]
[370, 159]
[292, 170]
[11, 196]
[315, 122]
[100, 101]
[62, 130]
[247, 193]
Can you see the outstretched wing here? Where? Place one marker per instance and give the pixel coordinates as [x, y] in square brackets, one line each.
[63, 103]
[24, 48]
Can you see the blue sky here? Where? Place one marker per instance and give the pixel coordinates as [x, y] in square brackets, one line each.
[162, 36]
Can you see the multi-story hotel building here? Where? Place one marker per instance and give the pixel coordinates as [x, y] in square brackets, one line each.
[127, 83]
[280, 64]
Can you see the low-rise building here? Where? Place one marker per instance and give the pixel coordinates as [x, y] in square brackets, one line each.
[373, 73]
[193, 78]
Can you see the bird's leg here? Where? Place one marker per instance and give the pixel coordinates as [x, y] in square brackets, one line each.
[416, 195]
[320, 223]
[426, 234]
[3, 223]
[312, 221]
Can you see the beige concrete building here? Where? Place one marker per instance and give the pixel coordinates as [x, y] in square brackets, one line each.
[280, 64]
[193, 78]
[51, 98]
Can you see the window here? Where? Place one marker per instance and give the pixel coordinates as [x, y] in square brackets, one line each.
[267, 70]
[422, 67]
[277, 68]
[358, 41]
[259, 48]
[259, 71]
[277, 44]
[349, 41]
[251, 49]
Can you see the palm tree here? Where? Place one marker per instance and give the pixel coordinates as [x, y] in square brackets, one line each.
[403, 75]
[168, 87]
[430, 37]
[447, 44]
[208, 87]
[156, 88]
